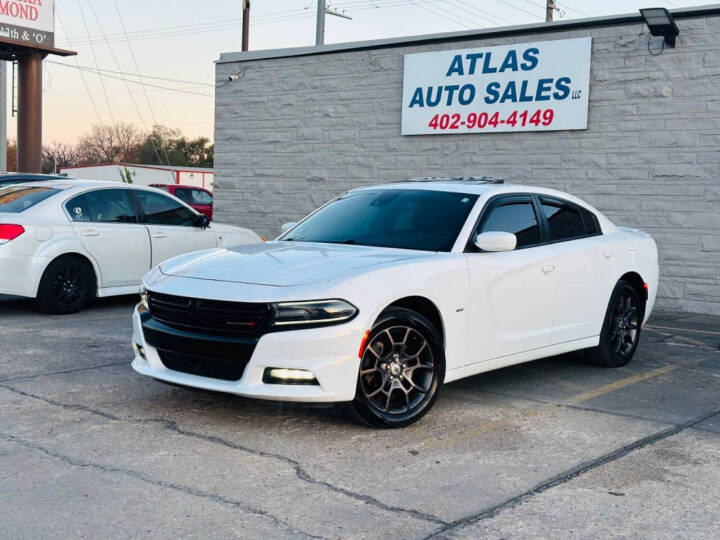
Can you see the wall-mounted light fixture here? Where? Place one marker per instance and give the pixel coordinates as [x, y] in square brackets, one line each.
[660, 23]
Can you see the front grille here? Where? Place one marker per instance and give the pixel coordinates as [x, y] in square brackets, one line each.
[204, 367]
[217, 357]
[210, 316]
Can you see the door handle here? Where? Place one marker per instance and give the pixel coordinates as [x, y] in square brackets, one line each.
[159, 235]
[90, 232]
[609, 254]
[547, 268]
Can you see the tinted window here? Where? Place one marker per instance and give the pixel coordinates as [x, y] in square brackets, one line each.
[184, 195]
[403, 218]
[592, 226]
[17, 199]
[162, 210]
[103, 206]
[565, 221]
[201, 197]
[518, 218]
[78, 209]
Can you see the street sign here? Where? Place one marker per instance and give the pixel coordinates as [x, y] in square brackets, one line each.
[541, 86]
[28, 22]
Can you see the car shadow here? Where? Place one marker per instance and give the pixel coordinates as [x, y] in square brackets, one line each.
[22, 306]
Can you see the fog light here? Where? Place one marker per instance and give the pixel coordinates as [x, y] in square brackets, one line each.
[139, 350]
[288, 376]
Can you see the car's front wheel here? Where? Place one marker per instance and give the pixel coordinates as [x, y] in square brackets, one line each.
[401, 370]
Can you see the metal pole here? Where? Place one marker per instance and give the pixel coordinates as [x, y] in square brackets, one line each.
[320, 27]
[30, 114]
[549, 10]
[3, 116]
[246, 25]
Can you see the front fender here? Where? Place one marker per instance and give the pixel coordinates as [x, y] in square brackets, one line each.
[444, 283]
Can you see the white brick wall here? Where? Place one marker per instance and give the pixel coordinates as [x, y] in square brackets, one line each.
[293, 132]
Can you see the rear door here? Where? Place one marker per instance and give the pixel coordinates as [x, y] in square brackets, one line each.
[512, 293]
[172, 226]
[106, 222]
[582, 268]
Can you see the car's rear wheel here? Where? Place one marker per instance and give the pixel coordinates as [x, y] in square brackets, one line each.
[621, 328]
[401, 370]
[67, 285]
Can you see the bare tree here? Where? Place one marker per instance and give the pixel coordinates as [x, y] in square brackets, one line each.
[57, 155]
[110, 144]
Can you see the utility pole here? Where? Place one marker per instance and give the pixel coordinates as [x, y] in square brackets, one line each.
[322, 10]
[246, 25]
[549, 10]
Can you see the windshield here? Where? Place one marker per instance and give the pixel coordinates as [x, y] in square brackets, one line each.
[399, 218]
[17, 199]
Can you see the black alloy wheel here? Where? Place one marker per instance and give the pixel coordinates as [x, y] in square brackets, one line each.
[621, 329]
[401, 370]
[66, 286]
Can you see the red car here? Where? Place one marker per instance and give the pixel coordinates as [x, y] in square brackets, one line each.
[198, 198]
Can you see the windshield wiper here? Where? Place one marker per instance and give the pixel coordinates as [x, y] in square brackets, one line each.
[347, 242]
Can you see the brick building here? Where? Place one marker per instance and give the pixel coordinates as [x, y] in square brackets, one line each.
[295, 127]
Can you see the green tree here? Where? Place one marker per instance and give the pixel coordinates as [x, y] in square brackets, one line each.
[165, 146]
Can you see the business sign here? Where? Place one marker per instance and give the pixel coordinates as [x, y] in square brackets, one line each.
[31, 22]
[539, 86]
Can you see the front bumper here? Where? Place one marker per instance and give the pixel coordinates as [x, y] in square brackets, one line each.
[329, 352]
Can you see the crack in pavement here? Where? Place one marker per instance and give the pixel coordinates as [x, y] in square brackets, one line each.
[74, 370]
[569, 475]
[136, 475]
[298, 468]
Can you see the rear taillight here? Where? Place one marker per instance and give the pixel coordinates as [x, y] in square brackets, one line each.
[10, 232]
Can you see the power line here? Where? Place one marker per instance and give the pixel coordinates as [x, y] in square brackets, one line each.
[82, 75]
[172, 31]
[440, 13]
[102, 82]
[137, 69]
[125, 73]
[132, 81]
[477, 12]
[127, 85]
[518, 8]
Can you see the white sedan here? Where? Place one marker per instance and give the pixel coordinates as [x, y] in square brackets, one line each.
[387, 292]
[66, 241]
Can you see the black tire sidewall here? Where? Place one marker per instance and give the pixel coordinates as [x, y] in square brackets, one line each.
[604, 354]
[50, 304]
[368, 414]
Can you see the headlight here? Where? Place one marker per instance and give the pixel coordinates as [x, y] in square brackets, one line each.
[144, 297]
[313, 313]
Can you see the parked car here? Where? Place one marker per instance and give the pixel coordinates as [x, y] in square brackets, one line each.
[387, 292]
[66, 241]
[198, 198]
[7, 179]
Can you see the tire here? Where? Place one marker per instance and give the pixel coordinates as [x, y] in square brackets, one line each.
[67, 285]
[621, 328]
[401, 371]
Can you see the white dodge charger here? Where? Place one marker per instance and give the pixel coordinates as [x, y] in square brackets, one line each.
[387, 292]
[66, 241]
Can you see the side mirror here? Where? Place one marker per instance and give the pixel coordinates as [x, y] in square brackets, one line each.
[285, 227]
[202, 221]
[496, 241]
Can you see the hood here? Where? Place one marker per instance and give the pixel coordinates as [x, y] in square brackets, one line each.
[285, 264]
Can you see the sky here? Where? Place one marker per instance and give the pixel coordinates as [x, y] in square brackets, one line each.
[173, 44]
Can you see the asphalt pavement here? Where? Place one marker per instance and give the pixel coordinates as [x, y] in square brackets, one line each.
[556, 448]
